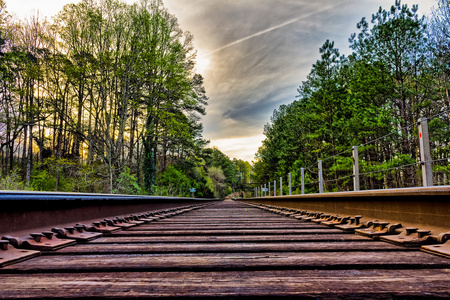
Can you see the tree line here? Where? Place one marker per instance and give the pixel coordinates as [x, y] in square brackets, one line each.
[106, 98]
[398, 72]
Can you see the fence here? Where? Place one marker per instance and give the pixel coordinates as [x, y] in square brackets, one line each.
[347, 168]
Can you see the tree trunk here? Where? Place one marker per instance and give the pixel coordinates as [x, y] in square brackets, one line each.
[132, 132]
[24, 151]
[77, 137]
[164, 156]
[149, 166]
[30, 157]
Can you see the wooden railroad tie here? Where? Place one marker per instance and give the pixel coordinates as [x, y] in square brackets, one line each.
[233, 250]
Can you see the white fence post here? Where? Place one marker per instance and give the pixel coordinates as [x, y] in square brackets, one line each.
[303, 180]
[281, 186]
[355, 168]
[425, 153]
[290, 185]
[320, 177]
[274, 188]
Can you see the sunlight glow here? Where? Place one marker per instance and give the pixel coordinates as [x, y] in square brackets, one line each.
[241, 147]
[202, 64]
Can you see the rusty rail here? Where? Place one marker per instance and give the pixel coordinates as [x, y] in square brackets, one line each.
[21, 211]
[423, 207]
[229, 250]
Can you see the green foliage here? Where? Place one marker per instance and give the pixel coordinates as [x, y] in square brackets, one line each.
[216, 181]
[225, 175]
[42, 181]
[88, 178]
[149, 168]
[11, 181]
[127, 183]
[383, 87]
[109, 98]
[2, 20]
[176, 182]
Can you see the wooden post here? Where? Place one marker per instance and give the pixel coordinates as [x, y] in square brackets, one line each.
[274, 188]
[290, 185]
[425, 153]
[320, 177]
[303, 180]
[281, 186]
[355, 168]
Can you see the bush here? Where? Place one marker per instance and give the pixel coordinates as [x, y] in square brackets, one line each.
[127, 183]
[177, 183]
[42, 181]
[11, 182]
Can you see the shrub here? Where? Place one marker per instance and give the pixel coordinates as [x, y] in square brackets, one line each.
[177, 183]
[11, 182]
[127, 183]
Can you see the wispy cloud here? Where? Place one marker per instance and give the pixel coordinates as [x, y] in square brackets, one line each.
[260, 52]
[266, 31]
[255, 35]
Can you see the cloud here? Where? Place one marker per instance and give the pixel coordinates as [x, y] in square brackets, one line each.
[27, 8]
[242, 148]
[255, 35]
[259, 52]
[272, 28]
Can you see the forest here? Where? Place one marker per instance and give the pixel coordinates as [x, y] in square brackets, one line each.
[398, 72]
[105, 98]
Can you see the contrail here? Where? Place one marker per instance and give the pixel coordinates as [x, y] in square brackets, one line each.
[265, 31]
[255, 35]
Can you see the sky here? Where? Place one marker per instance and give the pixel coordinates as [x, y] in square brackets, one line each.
[253, 54]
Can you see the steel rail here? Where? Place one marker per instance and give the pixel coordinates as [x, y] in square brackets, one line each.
[422, 207]
[22, 211]
[230, 250]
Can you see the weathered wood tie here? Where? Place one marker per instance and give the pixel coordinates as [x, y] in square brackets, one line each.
[229, 250]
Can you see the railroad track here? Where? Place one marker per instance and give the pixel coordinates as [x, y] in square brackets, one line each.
[229, 249]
